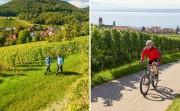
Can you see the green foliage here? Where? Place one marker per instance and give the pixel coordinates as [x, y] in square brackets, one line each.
[48, 12]
[15, 7]
[37, 37]
[85, 28]
[13, 42]
[112, 48]
[2, 39]
[124, 70]
[19, 28]
[175, 106]
[7, 23]
[78, 96]
[10, 23]
[67, 34]
[58, 37]
[24, 36]
[33, 53]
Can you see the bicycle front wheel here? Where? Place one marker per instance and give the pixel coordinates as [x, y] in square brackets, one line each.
[144, 84]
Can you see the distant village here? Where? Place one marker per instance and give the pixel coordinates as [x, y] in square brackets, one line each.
[152, 29]
[48, 31]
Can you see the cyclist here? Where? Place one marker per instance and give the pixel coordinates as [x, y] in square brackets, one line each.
[154, 56]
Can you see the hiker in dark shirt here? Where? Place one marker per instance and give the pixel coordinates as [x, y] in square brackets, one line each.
[48, 62]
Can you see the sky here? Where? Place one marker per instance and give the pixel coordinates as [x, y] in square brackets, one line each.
[78, 3]
[134, 4]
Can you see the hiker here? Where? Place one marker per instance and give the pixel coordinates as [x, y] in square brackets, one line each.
[48, 62]
[60, 62]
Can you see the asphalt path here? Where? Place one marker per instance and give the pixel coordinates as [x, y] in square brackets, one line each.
[123, 94]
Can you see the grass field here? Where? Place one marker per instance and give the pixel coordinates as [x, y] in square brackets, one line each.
[11, 23]
[32, 90]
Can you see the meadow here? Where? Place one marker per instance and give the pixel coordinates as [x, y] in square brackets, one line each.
[4, 23]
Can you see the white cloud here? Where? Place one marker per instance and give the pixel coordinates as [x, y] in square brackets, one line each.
[78, 3]
[4, 1]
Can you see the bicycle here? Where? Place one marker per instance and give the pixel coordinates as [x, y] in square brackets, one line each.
[147, 79]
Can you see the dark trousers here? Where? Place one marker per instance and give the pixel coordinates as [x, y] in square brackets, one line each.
[59, 66]
[48, 68]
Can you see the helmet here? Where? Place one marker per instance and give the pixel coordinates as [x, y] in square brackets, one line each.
[149, 42]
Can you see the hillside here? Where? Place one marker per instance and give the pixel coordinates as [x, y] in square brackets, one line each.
[15, 7]
[86, 9]
[50, 12]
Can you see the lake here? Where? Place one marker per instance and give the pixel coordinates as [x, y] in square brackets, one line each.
[138, 19]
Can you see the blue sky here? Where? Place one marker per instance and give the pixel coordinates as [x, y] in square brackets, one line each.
[135, 4]
[78, 3]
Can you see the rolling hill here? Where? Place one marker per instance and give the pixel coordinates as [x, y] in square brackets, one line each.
[15, 7]
[49, 12]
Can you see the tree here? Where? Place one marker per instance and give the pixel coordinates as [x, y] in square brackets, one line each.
[2, 38]
[85, 28]
[19, 28]
[23, 36]
[68, 34]
[36, 37]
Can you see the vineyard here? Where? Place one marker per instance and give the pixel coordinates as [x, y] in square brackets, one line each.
[112, 48]
[35, 53]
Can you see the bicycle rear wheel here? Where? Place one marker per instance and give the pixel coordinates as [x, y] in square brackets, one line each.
[144, 84]
[155, 82]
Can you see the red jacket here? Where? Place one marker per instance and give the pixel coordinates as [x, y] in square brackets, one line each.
[152, 54]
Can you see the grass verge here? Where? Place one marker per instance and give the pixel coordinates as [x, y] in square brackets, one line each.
[108, 75]
[175, 106]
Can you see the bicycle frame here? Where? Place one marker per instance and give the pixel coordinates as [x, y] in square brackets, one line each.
[151, 72]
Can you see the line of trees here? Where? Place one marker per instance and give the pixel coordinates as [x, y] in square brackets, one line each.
[111, 48]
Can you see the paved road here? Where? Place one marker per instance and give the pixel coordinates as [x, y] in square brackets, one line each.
[124, 95]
